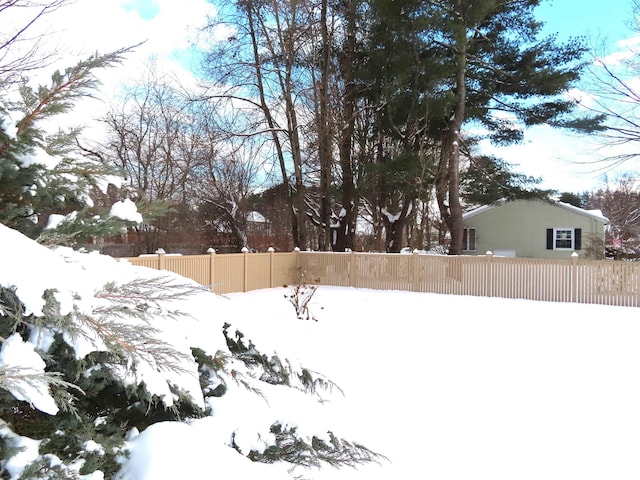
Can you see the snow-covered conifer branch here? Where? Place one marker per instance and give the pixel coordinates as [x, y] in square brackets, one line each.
[290, 447]
[274, 371]
[23, 382]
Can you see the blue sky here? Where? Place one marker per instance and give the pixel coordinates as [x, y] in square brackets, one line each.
[146, 9]
[593, 18]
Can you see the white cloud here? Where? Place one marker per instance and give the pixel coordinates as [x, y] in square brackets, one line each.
[623, 51]
[616, 58]
[631, 42]
[85, 27]
[564, 162]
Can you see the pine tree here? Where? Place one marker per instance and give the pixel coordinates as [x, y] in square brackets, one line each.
[435, 68]
[489, 179]
[41, 171]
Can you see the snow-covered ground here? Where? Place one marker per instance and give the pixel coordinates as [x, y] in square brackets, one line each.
[461, 387]
[446, 387]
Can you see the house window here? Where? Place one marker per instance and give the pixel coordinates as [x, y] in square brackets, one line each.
[564, 238]
[469, 239]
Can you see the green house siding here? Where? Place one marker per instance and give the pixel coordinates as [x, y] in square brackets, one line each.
[522, 226]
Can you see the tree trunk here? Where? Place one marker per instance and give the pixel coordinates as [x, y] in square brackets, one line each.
[286, 83]
[448, 173]
[345, 234]
[324, 134]
[395, 227]
[272, 126]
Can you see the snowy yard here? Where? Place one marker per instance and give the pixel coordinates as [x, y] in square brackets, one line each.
[446, 387]
[461, 387]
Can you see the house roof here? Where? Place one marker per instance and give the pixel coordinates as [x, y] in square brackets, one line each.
[594, 214]
[256, 217]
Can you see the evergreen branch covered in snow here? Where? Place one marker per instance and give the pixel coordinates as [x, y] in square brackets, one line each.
[148, 291]
[125, 322]
[23, 382]
[80, 226]
[275, 371]
[42, 171]
[50, 467]
[242, 380]
[65, 88]
[11, 311]
[131, 340]
[314, 452]
[214, 370]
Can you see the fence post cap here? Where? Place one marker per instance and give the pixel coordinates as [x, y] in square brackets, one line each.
[489, 253]
[271, 249]
[211, 250]
[574, 255]
[160, 251]
[244, 250]
[297, 249]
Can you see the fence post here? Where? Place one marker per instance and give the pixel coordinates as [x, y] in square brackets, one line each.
[574, 277]
[296, 272]
[245, 279]
[352, 269]
[161, 263]
[415, 271]
[212, 267]
[270, 250]
[488, 284]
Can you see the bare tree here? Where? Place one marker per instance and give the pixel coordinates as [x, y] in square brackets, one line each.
[225, 187]
[23, 50]
[620, 203]
[261, 64]
[153, 138]
[613, 99]
[158, 137]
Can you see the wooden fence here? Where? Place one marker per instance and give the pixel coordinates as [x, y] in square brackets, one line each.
[229, 272]
[571, 280]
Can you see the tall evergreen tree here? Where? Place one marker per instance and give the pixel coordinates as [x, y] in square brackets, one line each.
[431, 68]
[498, 63]
[397, 87]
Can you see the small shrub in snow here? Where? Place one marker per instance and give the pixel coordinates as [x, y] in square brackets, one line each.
[300, 295]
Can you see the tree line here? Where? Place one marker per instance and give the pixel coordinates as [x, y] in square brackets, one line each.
[331, 118]
[366, 106]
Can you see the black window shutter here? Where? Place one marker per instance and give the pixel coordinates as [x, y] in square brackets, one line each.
[578, 242]
[549, 238]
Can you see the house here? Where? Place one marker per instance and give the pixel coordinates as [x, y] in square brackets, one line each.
[534, 229]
